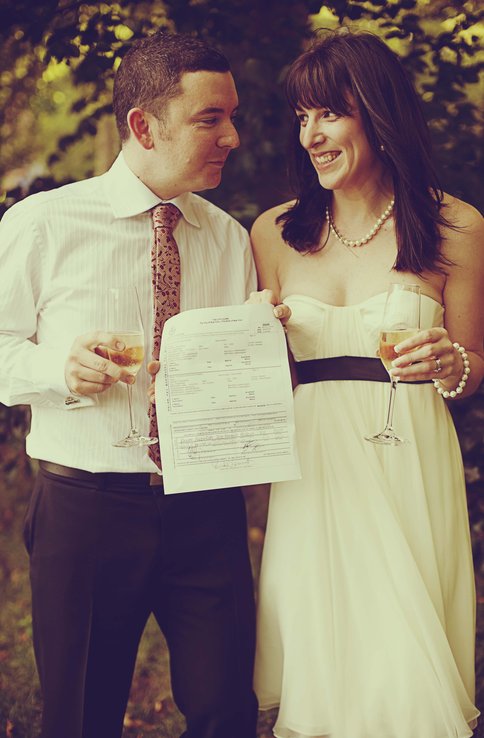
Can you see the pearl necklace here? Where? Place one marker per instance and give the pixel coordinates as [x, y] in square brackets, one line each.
[361, 241]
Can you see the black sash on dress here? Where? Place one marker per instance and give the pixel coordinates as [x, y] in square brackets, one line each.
[361, 368]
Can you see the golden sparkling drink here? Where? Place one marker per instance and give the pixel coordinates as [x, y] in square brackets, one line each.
[388, 341]
[132, 357]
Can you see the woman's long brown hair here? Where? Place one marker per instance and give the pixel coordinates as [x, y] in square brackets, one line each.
[344, 65]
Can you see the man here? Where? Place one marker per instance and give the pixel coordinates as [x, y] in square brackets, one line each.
[107, 548]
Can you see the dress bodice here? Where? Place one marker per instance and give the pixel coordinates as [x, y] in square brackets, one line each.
[317, 329]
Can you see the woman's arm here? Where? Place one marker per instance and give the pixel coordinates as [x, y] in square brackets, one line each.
[464, 292]
[463, 298]
[267, 247]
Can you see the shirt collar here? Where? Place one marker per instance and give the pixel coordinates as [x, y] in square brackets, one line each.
[129, 196]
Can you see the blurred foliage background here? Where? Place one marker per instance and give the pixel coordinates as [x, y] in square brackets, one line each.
[57, 59]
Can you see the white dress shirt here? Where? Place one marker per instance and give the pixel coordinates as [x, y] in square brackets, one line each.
[59, 251]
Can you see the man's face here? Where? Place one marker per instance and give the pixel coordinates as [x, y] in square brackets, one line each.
[195, 135]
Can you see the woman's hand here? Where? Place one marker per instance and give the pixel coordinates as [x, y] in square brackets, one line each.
[428, 355]
[281, 311]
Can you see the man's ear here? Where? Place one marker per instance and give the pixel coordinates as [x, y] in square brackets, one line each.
[140, 127]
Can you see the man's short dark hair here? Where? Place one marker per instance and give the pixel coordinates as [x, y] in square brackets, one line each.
[150, 72]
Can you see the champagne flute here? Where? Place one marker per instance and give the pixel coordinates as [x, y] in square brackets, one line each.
[124, 320]
[401, 320]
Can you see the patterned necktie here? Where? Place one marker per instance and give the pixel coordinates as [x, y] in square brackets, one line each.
[165, 277]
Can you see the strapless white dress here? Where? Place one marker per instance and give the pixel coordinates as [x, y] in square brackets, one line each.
[366, 612]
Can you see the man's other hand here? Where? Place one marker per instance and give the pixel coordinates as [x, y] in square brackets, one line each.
[153, 368]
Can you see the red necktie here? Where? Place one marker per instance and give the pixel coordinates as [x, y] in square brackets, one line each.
[165, 277]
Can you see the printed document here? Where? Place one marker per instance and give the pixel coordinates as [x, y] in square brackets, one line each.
[224, 400]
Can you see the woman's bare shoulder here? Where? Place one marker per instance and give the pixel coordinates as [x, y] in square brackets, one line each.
[269, 247]
[460, 213]
[266, 223]
[463, 240]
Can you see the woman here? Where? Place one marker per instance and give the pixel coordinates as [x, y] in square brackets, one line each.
[367, 604]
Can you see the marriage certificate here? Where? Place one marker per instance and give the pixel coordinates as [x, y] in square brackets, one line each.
[224, 400]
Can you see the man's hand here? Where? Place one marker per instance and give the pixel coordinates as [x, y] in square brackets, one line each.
[88, 369]
[281, 311]
[153, 368]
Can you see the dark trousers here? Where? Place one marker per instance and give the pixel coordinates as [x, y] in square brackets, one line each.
[103, 557]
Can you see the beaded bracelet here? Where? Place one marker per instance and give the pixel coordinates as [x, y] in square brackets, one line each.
[462, 383]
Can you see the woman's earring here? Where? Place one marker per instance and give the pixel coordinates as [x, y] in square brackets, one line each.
[382, 148]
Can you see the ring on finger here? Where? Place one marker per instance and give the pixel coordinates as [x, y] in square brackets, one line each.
[438, 365]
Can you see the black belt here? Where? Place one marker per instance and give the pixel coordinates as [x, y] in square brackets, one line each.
[123, 479]
[362, 368]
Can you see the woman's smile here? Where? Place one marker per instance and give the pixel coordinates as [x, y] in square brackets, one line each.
[324, 159]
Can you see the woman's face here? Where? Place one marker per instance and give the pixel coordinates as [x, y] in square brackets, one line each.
[338, 148]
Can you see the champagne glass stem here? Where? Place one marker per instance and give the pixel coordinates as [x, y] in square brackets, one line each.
[388, 435]
[391, 405]
[134, 438]
[129, 389]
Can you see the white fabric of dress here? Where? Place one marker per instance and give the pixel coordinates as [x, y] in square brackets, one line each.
[366, 615]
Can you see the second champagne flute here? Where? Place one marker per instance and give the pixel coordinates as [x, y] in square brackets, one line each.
[401, 320]
[124, 320]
